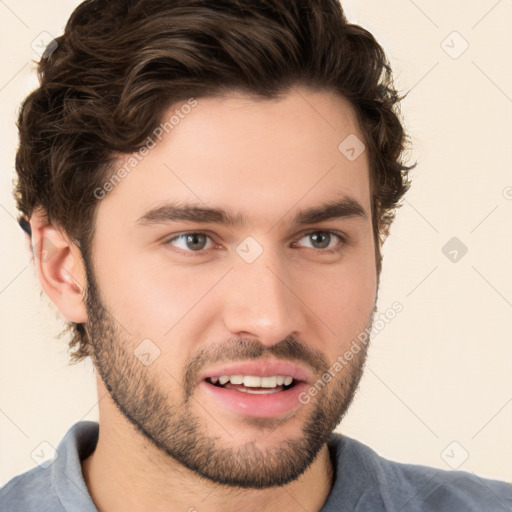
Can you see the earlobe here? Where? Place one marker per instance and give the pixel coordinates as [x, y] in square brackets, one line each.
[60, 267]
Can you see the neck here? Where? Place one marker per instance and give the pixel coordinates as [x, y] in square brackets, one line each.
[143, 478]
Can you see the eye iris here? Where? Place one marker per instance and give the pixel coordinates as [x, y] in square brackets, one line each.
[194, 239]
[316, 238]
[197, 242]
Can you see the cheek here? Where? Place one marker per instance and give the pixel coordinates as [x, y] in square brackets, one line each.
[342, 297]
[156, 300]
[162, 301]
[345, 304]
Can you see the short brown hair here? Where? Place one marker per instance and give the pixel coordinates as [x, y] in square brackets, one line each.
[121, 63]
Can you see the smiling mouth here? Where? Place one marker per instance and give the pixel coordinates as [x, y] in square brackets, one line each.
[253, 384]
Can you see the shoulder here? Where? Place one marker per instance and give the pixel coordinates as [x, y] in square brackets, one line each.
[30, 491]
[397, 486]
[56, 485]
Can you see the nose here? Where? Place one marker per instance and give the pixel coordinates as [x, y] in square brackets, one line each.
[262, 301]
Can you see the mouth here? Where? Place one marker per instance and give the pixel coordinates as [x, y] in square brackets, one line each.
[253, 384]
[263, 389]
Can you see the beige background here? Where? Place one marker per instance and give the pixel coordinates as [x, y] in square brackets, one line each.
[438, 385]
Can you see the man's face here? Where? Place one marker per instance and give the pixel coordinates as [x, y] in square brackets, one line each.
[178, 302]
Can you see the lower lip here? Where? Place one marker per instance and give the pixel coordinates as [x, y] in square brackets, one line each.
[269, 405]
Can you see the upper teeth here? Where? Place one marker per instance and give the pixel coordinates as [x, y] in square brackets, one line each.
[253, 381]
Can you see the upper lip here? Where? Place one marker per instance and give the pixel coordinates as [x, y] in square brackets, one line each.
[260, 368]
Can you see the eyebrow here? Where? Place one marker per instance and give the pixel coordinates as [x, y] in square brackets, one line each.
[347, 207]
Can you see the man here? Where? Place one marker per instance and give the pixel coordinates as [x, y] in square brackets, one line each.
[207, 187]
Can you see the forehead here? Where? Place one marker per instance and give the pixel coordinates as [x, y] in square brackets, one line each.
[255, 157]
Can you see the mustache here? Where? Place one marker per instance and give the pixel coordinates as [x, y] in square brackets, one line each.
[239, 349]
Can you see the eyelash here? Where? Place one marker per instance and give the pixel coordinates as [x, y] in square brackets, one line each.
[342, 239]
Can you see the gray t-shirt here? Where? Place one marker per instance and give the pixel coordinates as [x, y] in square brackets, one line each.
[364, 482]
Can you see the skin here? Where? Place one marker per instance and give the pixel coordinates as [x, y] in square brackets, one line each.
[266, 160]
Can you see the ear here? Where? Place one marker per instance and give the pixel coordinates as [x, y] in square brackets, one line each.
[60, 267]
